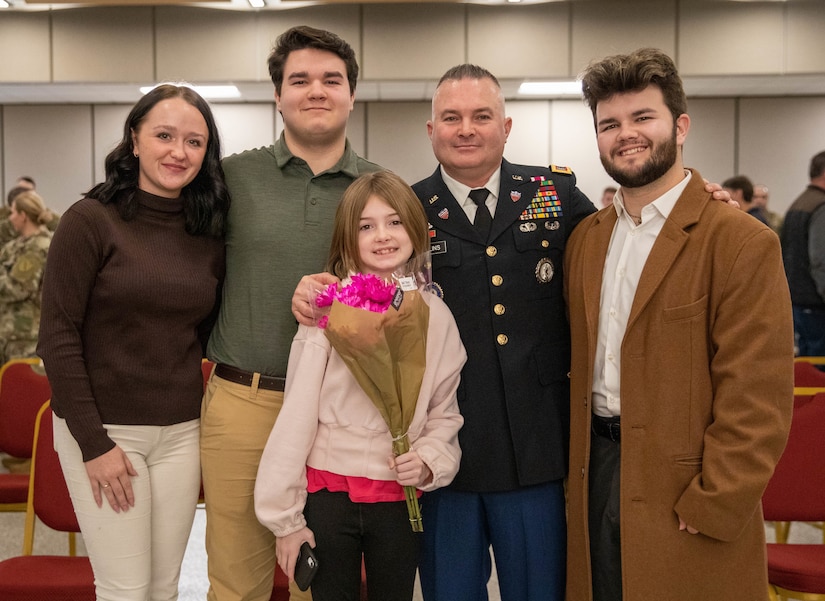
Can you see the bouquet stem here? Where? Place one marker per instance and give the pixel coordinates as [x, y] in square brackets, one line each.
[401, 445]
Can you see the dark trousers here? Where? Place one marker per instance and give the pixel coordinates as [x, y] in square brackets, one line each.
[526, 529]
[346, 531]
[603, 516]
[810, 331]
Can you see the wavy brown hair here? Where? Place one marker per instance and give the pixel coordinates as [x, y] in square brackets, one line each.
[632, 73]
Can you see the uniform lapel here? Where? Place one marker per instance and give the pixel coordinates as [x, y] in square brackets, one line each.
[515, 193]
[445, 213]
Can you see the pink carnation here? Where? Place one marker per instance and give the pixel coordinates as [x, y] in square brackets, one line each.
[365, 291]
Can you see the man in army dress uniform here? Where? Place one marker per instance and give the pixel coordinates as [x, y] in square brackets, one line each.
[500, 272]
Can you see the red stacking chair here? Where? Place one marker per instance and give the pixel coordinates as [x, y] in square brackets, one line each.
[23, 390]
[53, 577]
[806, 374]
[796, 492]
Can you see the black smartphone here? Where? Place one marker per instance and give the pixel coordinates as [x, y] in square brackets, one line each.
[305, 567]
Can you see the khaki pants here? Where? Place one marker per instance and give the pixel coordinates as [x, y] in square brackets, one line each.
[235, 424]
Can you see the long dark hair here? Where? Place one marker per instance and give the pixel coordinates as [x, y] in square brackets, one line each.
[205, 198]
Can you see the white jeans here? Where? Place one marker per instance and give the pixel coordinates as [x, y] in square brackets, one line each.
[136, 555]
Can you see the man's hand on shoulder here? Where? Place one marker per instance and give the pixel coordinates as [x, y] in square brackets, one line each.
[719, 193]
[307, 289]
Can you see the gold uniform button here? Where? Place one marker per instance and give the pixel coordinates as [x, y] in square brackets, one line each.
[497, 280]
[492, 251]
[502, 339]
[545, 243]
[499, 309]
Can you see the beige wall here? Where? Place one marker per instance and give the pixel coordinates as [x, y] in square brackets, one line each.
[770, 139]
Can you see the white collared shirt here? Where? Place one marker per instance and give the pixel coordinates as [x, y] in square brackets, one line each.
[629, 248]
[462, 194]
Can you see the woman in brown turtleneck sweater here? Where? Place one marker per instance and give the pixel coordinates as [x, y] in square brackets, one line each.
[129, 296]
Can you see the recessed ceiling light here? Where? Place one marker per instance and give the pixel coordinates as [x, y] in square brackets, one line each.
[208, 92]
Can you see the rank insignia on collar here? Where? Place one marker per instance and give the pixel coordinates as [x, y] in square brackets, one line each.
[515, 195]
[433, 198]
[444, 214]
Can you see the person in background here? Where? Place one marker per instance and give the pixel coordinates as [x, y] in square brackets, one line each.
[760, 201]
[803, 250]
[741, 190]
[130, 295]
[607, 196]
[7, 231]
[25, 181]
[682, 364]
[327, 475]
[284, 199]
[22, 261]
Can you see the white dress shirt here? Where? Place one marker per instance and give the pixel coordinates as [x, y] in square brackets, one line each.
[462, 194]
[627, 254]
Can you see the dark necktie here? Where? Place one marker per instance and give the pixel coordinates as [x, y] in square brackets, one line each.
[483, 219]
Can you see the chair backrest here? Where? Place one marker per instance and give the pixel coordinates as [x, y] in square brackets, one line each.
[48, 494]
[796, 491]
[807, 374]
[23, 390]
[803, 395]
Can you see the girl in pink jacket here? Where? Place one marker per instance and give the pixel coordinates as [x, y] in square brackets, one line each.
[328, 475]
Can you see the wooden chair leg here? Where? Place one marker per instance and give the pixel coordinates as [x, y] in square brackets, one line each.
[782, 530]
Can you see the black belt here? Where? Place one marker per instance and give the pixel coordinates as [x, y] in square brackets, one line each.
[608, 427]
[239, 376]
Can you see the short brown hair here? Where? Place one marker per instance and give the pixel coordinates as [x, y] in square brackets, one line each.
[467, 71]
[632, 73]
[303, 36]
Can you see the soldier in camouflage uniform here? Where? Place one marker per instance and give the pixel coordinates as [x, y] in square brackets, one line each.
[7, 231]
[22, 261]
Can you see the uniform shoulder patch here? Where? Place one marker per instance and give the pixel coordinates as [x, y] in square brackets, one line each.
[560, 169]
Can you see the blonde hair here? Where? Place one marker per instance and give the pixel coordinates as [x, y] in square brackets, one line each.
[31, 204]
[344, 256]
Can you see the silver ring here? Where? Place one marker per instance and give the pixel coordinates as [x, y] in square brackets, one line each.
[106, 485]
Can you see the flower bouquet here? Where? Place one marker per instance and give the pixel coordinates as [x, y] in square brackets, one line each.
[380, 331]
